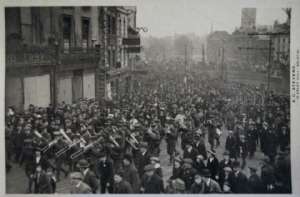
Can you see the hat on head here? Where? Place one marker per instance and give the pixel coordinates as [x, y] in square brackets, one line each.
[76, 175]
[213, 152]
[266, 160]
[226, 153]
[206, 172]
[178, 159]
[200, 156]
[56, 133]
[120, 172]
[143, 145]
[83, 163]
[128, 157]
[179, 184]
[252, 168]
[227, 169]
[188, 160]
[236, 164]
[149, 167]
[156, 159]
[38, 149]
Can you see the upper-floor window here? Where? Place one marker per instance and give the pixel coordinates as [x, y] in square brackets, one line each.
[85, 32]
[67, 25]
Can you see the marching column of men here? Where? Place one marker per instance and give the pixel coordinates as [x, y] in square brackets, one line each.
[116, 148]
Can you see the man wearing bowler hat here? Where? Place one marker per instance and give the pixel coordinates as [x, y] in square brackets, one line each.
[211, 186]
[89, 176]
[254, 181]
[213, 164]
[104, 170]
[239, 181]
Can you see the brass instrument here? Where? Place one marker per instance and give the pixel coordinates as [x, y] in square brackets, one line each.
[85, 149]
[66, 148]
[49, 145]
[113, 140]
[38, 134]
[65, 135]
[132, 141]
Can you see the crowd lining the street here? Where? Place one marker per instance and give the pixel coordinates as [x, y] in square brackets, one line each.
[114, 146]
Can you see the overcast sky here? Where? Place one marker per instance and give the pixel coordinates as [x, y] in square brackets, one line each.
[163, 18]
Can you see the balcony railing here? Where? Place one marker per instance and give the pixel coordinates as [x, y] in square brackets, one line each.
[29, 55]
[79, 55]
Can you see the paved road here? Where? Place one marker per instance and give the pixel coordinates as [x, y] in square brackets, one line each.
[16, 181]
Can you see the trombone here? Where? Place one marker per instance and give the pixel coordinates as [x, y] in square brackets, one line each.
[48, 146]
[84, 149]
[66, 148]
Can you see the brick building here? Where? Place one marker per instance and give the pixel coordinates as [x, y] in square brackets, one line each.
[62, 54]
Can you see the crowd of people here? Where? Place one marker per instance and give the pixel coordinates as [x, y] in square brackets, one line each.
[114, 147]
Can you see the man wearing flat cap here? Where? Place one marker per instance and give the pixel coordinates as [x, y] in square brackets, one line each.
[176, 186]
[130, 173]
[226, 162]
[198, 187]
[121, 186]
[151, 182]
[89, 176]
[188, 173]
[177, 168]
[142, 158]
[77, 185]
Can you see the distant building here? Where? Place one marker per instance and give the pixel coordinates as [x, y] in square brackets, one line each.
[281, 43]
[248, 20]
[214, 44]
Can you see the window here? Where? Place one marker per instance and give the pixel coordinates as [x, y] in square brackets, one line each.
[85, 25]
[67, 33]
[113, 24]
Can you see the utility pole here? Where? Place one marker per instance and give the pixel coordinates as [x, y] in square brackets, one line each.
[185, 65]
[222, 65]
[269, 48]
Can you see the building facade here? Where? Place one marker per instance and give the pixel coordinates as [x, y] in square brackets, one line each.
[63, 54]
